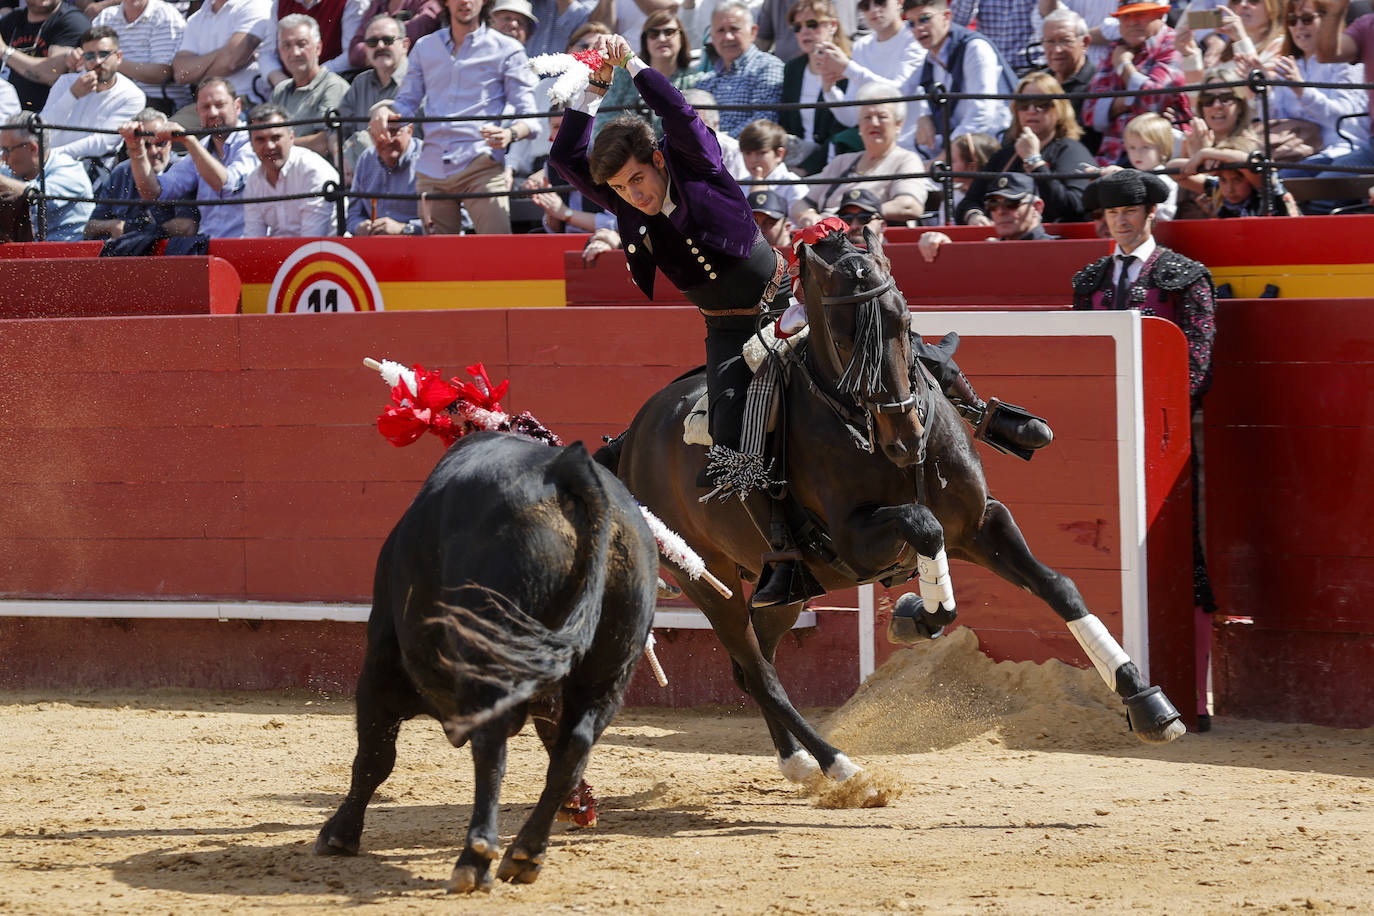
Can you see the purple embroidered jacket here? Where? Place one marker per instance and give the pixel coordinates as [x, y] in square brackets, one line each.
[1169, 286]
[712, 227]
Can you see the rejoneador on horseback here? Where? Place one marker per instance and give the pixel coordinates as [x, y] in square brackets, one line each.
[680, 211]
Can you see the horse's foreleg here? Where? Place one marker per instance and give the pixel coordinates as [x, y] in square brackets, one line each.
[800, 747]
[999, 546]
[936, 609]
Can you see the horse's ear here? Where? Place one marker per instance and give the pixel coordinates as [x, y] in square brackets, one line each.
[874, 242]
[815, 262]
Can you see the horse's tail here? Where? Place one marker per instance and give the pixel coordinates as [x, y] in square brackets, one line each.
[608, 456]
[498, 654]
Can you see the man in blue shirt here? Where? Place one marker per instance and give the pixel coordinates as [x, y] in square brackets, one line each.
[387, 168]
[212, 169]
[63, 176]
[110, 221]
[743, 74]
[467, 69]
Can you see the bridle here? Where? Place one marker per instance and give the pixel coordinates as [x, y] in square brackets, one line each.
[860, 298]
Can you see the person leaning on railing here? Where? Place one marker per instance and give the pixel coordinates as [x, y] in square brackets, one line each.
[212, 169]
[1350, 45]
[20, 141]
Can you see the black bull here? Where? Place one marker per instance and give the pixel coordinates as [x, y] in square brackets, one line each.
[519, 572]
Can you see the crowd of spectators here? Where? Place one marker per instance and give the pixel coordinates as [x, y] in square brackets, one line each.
[133, 104]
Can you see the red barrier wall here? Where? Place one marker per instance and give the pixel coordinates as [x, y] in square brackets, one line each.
[1288, 441]
[90, 287]
[240, 462]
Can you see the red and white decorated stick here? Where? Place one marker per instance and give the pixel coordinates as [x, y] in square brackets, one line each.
[671, 546]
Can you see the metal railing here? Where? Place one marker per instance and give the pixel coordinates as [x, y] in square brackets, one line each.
[939, 171]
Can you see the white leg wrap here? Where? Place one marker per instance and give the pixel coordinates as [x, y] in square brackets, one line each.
[842, 768]
[936, 587]
[1106, 653]
[798, 767]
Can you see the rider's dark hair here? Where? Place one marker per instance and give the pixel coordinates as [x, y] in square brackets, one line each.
[627, 137]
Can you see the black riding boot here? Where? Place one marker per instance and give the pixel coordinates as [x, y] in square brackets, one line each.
[1009, 429]
[785, 578]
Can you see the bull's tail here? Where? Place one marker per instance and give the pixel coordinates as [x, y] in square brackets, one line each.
[500, 655]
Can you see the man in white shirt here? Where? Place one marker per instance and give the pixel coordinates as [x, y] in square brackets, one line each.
[962, 61]
[889, 52]
[149, 36]
[98, 96]
[285, 169]
[222, 39]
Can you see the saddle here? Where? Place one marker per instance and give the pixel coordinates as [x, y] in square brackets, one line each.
[696, 431]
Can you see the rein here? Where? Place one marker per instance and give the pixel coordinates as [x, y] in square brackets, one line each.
[867, 338]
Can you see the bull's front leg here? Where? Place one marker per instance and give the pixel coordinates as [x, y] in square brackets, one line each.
[873, 539]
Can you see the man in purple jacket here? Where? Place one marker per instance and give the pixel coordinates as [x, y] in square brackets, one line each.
[680, 211]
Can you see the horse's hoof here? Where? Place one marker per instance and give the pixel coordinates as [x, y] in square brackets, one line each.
[1152, 717]
[469, 878]
[521, 867]
[668, 590]
[910, 623]
[1163, 735]
[842, 768]
[798, 768]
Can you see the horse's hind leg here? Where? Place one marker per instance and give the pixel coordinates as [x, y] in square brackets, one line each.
[1000, 547]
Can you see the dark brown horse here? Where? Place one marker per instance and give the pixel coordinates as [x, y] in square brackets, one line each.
[891, 505]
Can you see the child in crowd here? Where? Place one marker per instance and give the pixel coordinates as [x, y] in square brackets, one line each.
[1232, 192]
[1149, 142]
[763, 144]
[969, 153]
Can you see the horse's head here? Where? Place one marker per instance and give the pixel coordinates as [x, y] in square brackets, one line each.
[860, 337]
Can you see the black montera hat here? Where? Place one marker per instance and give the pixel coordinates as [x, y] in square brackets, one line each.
[861, 198]
[769, 203]
[1011, 185]
[1126, 188]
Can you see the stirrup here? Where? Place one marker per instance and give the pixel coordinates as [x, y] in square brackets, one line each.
[784, 581]
[1013, 430]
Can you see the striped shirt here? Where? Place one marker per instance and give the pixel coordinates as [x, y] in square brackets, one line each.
[152, 38]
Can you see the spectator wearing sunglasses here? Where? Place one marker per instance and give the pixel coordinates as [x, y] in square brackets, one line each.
[1044, 141]
[98, 96]
[417, 17]
[861, 210]
[666, 47]
[1015, 209]
[1143, 58]
[1354, 44]
[962, 61]
[806, 79]
[110, 220]
[386, 45]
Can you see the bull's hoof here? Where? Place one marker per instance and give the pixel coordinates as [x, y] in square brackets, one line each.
[520, 866]
[1152, 717]
[330, 844]
[667, 589]
[469, 878]
[910, 624]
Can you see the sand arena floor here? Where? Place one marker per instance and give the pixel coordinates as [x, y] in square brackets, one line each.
[1010, 789]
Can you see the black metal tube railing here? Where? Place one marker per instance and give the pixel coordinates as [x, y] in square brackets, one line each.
[939, 171]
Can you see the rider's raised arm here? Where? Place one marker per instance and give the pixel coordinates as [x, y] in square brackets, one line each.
[690, 138]
[571, 145]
